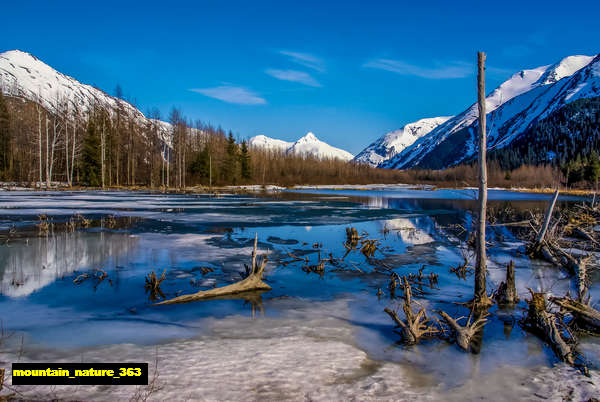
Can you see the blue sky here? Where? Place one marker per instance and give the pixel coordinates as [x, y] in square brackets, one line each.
[347, 70]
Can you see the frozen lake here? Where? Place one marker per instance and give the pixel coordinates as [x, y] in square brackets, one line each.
[312, 336]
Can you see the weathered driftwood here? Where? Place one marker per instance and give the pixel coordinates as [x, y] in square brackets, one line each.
[294, 258]
[507, 291]
[542, 233]
[80, 278]
[582, 234]
[544, 324]
[540, 248]
[546, 253]
[585, 315]
[575, 265]
[467, 334]
[582, 277]
[252, 282]
[415, 326]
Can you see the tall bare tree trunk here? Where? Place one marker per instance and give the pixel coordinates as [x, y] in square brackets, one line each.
[480, 296]
[102, 151]
[132, 151]
[39, 110]
[117, 164]
[168, 163]
[47, 153]
[73, 151]
[67, 152]
[55, 135]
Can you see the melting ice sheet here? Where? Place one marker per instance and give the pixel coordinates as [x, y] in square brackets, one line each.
[311, 337]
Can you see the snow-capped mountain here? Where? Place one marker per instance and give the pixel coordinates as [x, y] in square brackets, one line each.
[510, 107]
[262, 141]
[396, 141]
[307, 145]
[24, 75]
[311, 145]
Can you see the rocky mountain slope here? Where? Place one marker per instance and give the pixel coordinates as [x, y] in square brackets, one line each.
[396, 141]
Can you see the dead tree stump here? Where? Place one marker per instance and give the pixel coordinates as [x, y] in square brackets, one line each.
[507, 291]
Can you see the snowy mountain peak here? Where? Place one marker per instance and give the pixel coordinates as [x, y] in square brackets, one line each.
[565, 68]
[16, 53]
[309, 137]
[311, 145]
[262, 141]
[307, 145]
[394, 142]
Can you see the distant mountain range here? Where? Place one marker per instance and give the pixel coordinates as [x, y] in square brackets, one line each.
[307, 145]
[518, 104]
[529, 108]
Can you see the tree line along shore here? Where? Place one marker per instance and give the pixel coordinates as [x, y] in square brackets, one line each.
[111, 149]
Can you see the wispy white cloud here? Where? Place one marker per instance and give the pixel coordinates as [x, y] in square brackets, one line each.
[456, 69]
[231, 94]
[293, 76]
[305, 59]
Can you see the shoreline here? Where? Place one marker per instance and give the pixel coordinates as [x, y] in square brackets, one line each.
[259, 188]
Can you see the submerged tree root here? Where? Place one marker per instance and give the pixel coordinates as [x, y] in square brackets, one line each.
[252, 282]
[415, 326]
[465, 336]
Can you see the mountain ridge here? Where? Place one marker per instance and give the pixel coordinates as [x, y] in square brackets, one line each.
[24, 75]
[394, 142]
[455, 140]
